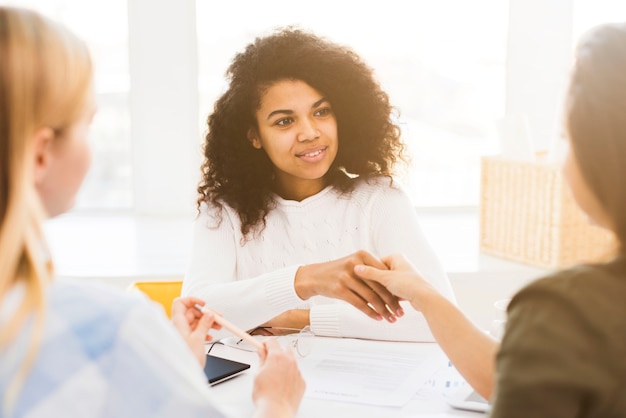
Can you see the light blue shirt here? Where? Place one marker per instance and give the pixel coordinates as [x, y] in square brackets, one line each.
[104, 353]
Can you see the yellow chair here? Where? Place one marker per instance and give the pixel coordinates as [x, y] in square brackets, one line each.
[161, 292]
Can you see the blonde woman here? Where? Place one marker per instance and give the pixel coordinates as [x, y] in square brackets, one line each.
[70, 349]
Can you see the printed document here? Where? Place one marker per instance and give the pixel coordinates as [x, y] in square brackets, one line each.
[381, 375]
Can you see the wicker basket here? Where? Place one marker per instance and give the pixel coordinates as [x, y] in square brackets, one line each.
[527, 214]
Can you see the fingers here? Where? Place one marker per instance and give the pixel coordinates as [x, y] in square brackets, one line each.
[278, 385]
[394, 262]
[189, 301]
[185, 307]
[178, 307]
[203, 326]
[391, 301]
[397, 262]
[401, 279]
[187, 316]
[377, 296]
[370, 273]
[338, 279]
[273, 349]
[368, 300]
[360, 303]
[371, 260]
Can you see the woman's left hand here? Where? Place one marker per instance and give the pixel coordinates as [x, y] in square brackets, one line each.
[193, 324]
[285, 323]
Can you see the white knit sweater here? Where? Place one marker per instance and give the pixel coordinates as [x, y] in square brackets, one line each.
[252, 283]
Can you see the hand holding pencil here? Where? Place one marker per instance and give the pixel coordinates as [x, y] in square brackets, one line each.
[193, 325]
[232, 328]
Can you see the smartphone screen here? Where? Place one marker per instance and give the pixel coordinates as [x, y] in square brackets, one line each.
[219, 369]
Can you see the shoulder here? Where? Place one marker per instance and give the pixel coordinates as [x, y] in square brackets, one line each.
[66, 295]
[576, 283]
[100, 344]
[95, 322]
[213, 215]
[580, 300]
[85, 306]
[552, 324]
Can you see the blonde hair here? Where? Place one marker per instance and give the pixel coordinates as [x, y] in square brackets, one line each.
[45, 78]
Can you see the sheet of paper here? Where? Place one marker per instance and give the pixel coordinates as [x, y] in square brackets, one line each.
[377, 375]
[444, 381]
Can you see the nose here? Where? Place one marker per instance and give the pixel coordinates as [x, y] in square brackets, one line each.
[308, 131]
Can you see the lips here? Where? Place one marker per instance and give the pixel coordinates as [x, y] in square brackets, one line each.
[311, 153]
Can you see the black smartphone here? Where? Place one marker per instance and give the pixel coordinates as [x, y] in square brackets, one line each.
[219, 369]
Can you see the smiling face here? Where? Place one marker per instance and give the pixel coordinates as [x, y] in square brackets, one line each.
[298, 131]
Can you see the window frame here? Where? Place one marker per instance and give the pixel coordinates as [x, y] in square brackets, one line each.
[166, 137]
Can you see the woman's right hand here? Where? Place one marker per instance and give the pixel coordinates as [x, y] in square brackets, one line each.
[278, 386]
[193, 325]
[401, 278]
[337, 279]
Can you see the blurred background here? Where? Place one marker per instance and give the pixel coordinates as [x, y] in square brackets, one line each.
[455, 69]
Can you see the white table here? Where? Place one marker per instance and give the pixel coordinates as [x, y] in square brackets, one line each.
[235, 394]
[118, 250]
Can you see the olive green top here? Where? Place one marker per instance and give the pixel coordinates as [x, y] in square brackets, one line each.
[564, 349]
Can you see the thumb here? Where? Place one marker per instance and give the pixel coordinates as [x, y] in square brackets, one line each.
[270, 345]
[204, 324]
[369, 273]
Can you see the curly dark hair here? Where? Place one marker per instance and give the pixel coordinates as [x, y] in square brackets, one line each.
[235, 173]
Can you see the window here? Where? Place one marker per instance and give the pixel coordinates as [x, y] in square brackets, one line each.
[445, 65]
[588, 13]
[442, 63]
[103, 25]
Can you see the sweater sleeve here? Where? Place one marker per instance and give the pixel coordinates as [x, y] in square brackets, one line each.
[212, 277]
[393, 228]
[343, 320]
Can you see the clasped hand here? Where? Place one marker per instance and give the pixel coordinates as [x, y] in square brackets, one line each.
[337, 279]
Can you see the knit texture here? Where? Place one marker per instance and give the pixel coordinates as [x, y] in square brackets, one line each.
[252, 282]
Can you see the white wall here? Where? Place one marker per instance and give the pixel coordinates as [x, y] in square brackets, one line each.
[163, 47]
[539, 56]
[164, 105]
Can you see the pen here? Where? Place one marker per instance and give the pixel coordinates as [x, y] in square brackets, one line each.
[232, 328]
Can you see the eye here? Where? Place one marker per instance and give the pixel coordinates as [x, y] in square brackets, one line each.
[284, 122]
[324, 111]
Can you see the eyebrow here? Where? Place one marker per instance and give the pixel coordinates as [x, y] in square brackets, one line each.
[291, 112]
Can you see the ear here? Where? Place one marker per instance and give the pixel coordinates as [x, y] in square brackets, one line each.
[253, 137]
[42, 153]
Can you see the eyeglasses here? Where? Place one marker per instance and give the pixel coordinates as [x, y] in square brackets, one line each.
[299, 340]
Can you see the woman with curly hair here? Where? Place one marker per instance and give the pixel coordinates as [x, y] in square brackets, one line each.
[297, 188]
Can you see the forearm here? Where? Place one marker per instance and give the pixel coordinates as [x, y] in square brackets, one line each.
[273, 409]
[247, 303]
[292, 319]
[471, 350]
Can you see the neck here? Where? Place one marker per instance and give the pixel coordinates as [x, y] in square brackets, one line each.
[300, 190]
